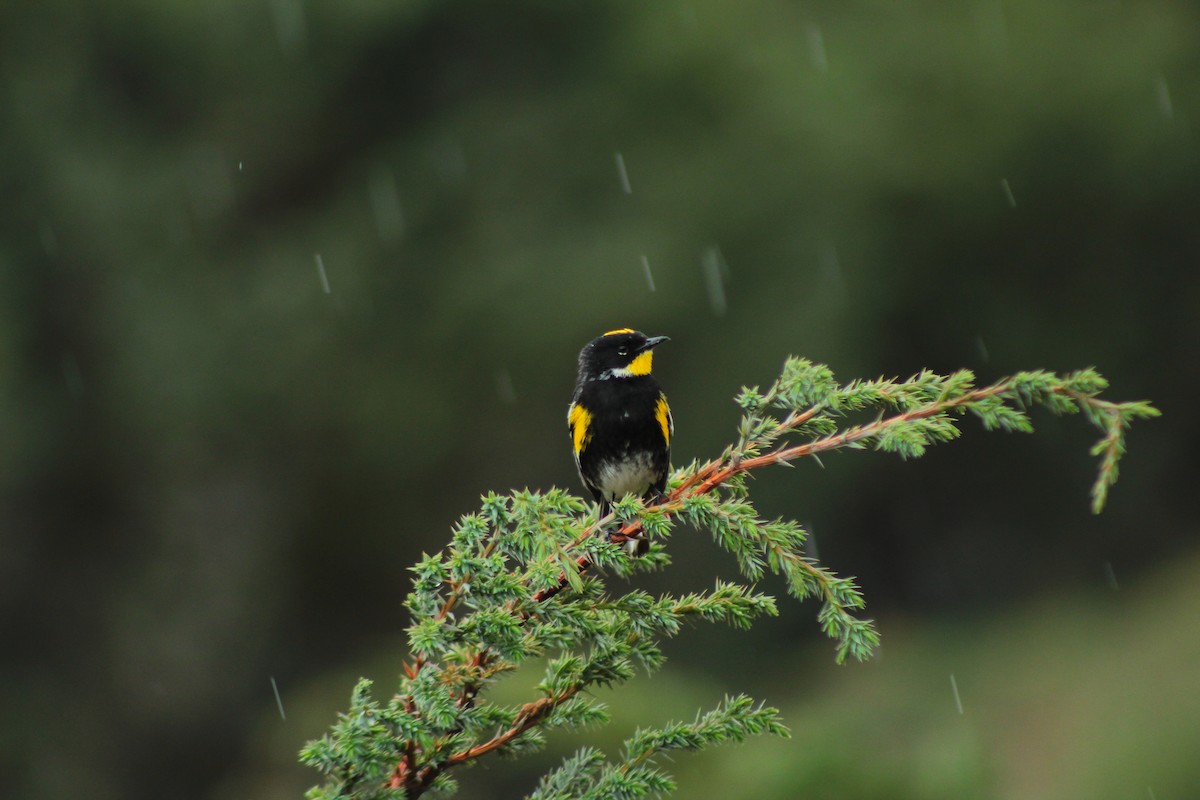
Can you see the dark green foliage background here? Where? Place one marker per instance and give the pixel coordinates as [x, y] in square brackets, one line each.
[213, 473]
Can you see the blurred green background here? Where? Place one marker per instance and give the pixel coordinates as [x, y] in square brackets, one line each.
[285, 286]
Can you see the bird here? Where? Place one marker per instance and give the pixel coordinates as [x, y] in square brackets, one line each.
[620, 423]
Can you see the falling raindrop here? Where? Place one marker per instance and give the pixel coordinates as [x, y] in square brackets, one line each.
[810, 543]
[981, 346]
[1008, 194]
[209, 182]
[954, 688]
[48, 237]
[72, 375]
[504, 386]
[687, 15]
[1164, 98]
[1150, 793]
[714, 268]
[646, 270]
[385, 204]
[816, 47]
[321, 272]
[241, 166]
[1110, 576]
[278, 699]
[290, 27]
[620, 159]
[450, 161]
[830, 265]
[993, 28]
[831, 271]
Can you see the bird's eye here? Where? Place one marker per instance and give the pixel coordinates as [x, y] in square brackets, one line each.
[622, 351]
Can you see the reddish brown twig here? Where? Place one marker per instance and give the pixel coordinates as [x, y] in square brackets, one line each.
[715, 473]
[415, 783]
[705, 479]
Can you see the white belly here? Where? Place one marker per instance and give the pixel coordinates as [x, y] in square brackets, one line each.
[632, 475]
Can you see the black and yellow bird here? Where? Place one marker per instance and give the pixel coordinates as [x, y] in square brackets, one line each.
[620, 423]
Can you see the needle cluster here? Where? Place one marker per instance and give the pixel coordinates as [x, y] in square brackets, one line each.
[524, 579]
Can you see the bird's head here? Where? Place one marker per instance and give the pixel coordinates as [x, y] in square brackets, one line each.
[623, 353]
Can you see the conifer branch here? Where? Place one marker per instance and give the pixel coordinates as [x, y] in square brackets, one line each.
[518, 581]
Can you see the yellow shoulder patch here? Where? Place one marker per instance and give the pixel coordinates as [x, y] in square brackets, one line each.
[579, 419]
[662, 413]
[618, 330]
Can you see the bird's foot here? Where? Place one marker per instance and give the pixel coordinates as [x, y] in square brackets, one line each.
[636, 546]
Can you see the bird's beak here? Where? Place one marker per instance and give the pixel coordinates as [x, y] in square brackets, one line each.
[654, 341]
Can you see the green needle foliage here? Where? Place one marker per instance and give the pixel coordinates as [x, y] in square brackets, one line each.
[522, 579]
